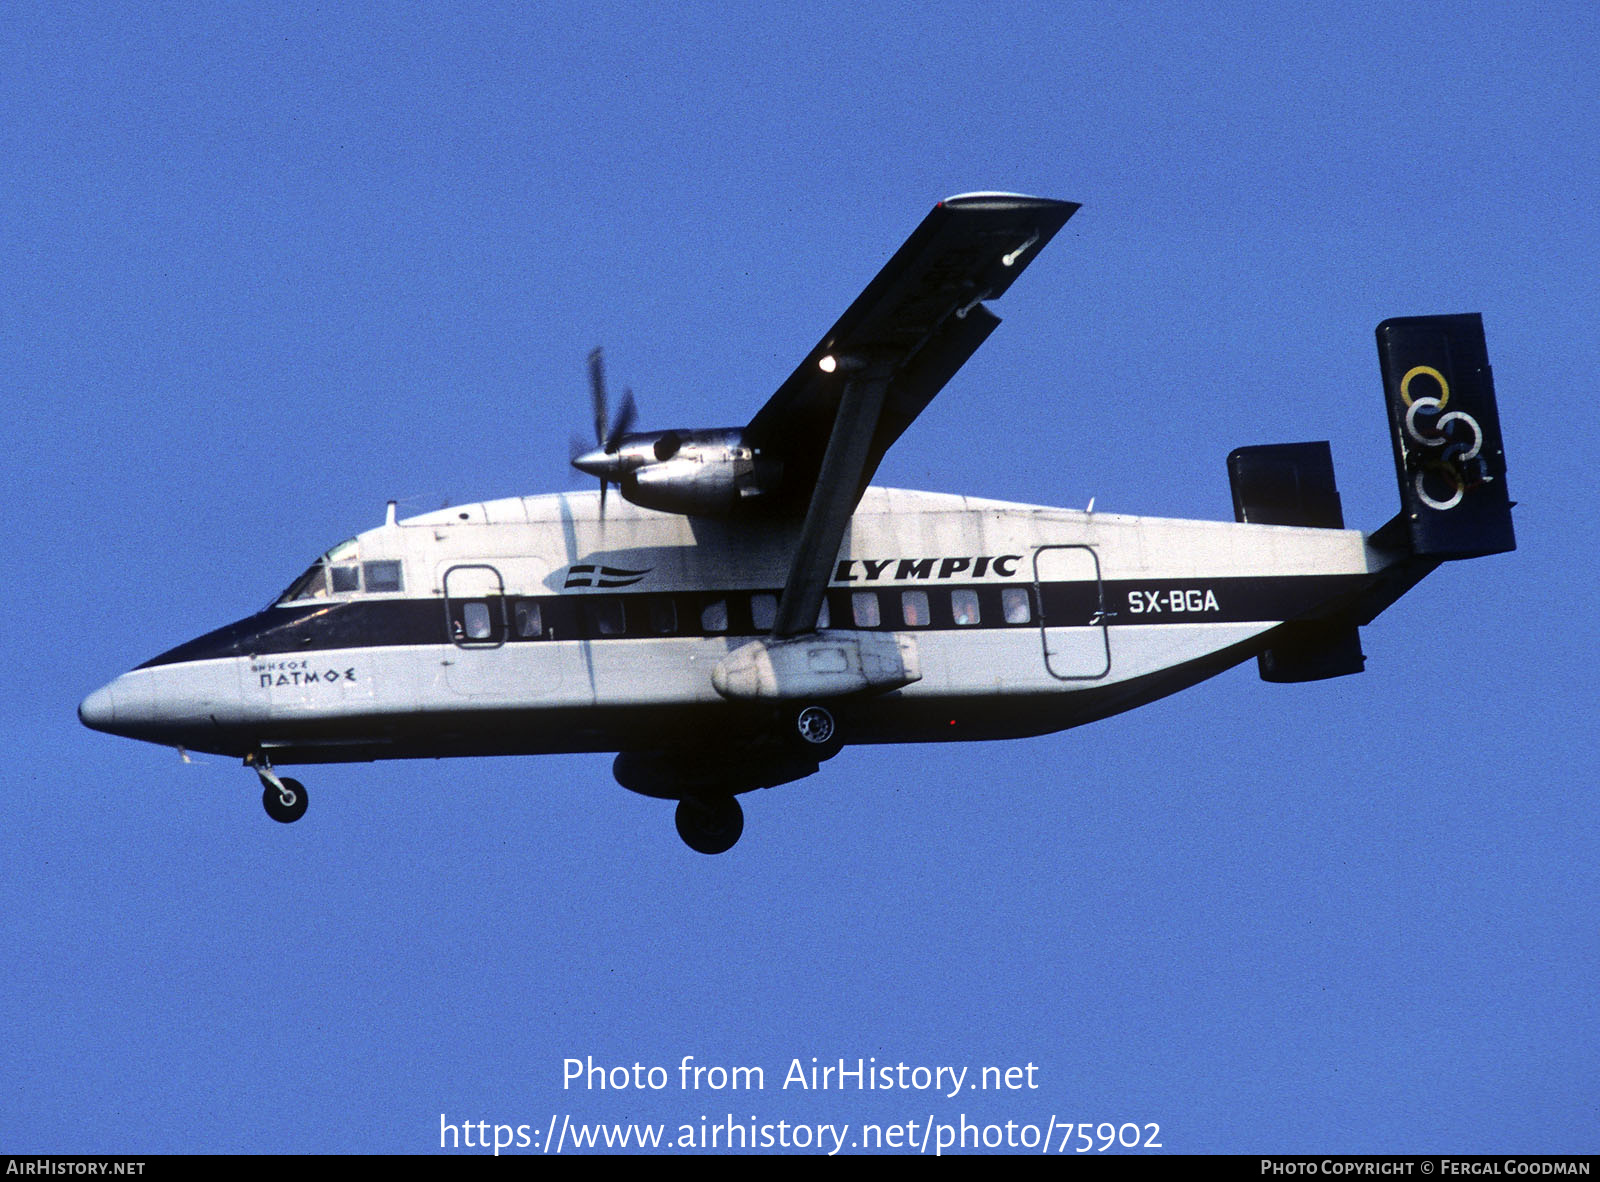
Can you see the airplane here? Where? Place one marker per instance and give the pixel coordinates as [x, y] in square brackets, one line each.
[752, 604]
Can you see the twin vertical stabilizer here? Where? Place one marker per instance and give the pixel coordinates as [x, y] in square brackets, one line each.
[1447, 448]
[1452, 470]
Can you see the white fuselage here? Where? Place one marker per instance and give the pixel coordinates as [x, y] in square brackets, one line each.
[533, 624]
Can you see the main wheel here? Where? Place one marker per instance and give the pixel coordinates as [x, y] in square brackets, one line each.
[813, 731]
[709, 826]
[285, 812]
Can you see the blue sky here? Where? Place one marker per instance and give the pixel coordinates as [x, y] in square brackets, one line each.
[268, 267]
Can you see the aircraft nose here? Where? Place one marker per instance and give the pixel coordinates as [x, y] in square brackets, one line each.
[99, 710]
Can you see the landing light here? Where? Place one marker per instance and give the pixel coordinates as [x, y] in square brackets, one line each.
[1010, 260]
[836, 363]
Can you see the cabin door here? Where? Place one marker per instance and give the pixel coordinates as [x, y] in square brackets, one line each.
[1072, 612]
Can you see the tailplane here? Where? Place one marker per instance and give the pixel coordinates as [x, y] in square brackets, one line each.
[1452, 470]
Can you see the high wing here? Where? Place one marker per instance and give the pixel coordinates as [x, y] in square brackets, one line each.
[896, 346]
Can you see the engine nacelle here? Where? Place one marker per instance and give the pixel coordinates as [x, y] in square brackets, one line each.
[698, 473]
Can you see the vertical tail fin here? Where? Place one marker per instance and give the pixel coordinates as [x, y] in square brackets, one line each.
[1447, 447]
[1292, 484]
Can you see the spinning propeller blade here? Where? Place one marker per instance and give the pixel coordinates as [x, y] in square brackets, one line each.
[624, 423]
[607, 438]
[597, 391]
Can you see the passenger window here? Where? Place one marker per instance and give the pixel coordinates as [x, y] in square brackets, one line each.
[714, 616]
[864, 606]
[964, 608]
[475, 617]
[528, 620]
[914, 608]
[608, 617]
[663, 617]
[382, 576]
[1015, 602]
[345, 578]
[763, 611]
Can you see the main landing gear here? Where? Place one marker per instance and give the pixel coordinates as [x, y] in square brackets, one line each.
[284, 799]
[813, 732]
[709, 825]
[709, 818]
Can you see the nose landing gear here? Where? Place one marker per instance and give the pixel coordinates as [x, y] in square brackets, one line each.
[287, 803]
[284, 799]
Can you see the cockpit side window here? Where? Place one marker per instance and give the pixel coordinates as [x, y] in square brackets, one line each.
[382, 576]
[311, 585]
[314, 583]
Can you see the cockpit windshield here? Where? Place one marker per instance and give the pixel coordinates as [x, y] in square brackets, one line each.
[314, 583]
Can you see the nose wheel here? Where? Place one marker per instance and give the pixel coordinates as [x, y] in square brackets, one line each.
[286, 804]
[283, 798]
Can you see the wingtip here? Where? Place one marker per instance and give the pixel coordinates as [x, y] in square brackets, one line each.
[995, 197]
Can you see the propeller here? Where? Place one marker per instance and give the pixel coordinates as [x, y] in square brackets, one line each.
[607, 438]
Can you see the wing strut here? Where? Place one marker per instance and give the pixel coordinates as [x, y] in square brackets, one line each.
[895, 347]
[832, 499]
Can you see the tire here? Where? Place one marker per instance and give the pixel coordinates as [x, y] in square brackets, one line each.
[709, 826]
[814, 732]
[280, 812]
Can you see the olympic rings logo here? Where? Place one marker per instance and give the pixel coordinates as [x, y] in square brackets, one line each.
[1455, 467]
